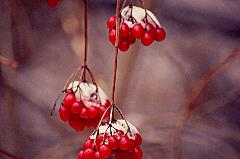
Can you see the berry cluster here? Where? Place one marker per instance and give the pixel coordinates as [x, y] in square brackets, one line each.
[113, 140]
[83, 105]
[53, 3]
[136, 23]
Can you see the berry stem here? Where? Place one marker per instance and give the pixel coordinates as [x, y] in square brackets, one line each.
[85, 37]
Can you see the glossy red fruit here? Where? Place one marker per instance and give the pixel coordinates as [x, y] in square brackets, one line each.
[138, 139]
[137, 30]
[124, 143]
[147, 38]
[124, 30]
[123, 45]
[112, 36]
[97, 156]
[99, 140]
[77, 124]
[105, 151]
[113, 142]
[138, 154]
[123, 155]
[132, 146]
[52, 3]
[64, 113]
[131, 38]
[93, 112]
[89, 144]
[80, 154]
[160, 34]
[111, 22]
[88, 154]
[150, 28]
[76, 107]
[84, 113]
[69, 99]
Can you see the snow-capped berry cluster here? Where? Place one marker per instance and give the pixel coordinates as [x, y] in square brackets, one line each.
[53, 3]
[136, 23]
[113, 140]
[83, 105]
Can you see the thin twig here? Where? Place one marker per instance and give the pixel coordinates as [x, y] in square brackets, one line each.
[192, 101]
[11, 63]
[8, 154]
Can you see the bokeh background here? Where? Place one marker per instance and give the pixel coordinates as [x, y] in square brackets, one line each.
[46, 45]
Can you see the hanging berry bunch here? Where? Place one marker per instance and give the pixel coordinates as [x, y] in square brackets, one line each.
[53, 3]
[136, 23]
[118, 138]
[84, 102]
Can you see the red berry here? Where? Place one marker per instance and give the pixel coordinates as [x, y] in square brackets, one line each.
[105, 151]
[52, 3]
[64, 113]
[138, 139]
[84, 113]
[89, 144]
[69, 99]
[132, 146]
[123, 45]
[147, 38]
[138, 154]
[77, 107]
[112, 36]
[93, 112]
[160, 34]
[113, 142]
[99, 140]
[124, 143]
[150, 28]
[123, 155]
[80, 154]
[77, 124]
[88, 154]
[137, 31]
[124, 30]
[131, 38]
[111, 22]
[97, 156]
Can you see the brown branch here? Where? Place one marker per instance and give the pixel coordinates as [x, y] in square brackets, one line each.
[11, 63]
[8, 154]
[192, 101]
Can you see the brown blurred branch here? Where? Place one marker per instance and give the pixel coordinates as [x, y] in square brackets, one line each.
[11, 63]
[5, 153]
[192, 101]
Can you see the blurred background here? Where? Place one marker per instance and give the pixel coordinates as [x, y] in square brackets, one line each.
[41, 47]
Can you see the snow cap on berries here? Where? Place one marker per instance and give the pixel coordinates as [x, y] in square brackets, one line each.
[87, 93]
[119, 125]
[138, 14]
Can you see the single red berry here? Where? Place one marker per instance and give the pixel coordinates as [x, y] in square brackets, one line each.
[138, 139]
[113, 142]
[124, 30]
[123, 45]
[64, 113]
[138, 154]
[52, 3]
[137, 31]
[93, 112]
[132, 146]
[84, 113]
[123, 155]
[131, 38]
[76, 107]
[124, 143]
[80, 154]
[99, 140]
[111, 22]
[160, 34]
[92, 122]
[97, 156]
[150, 28]
[112, 36]
[147, 38]
[105, 151]
[77, 124]
[69, 99]
[88, 154]
[89, 144]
